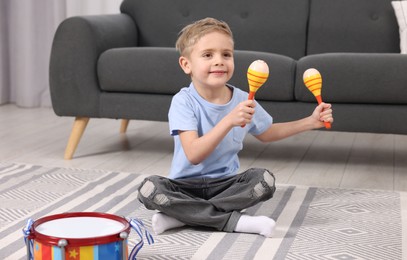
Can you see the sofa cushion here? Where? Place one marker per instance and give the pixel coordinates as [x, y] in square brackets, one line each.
[156, 70]
[141, 70]
[356, 78]
[367, 26]
[276, 26]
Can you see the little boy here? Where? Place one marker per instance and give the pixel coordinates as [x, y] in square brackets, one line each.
[205, 119]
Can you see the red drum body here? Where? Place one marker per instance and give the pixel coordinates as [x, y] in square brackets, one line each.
[79, 236]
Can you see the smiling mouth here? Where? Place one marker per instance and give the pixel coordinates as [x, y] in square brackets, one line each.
[218, 72]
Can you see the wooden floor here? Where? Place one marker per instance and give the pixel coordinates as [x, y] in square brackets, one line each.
[315, 158]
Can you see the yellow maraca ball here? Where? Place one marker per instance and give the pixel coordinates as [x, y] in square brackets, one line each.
[257, 74]
[313, 81]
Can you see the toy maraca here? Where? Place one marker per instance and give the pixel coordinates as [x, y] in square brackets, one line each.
[257, 74]
[313, 81]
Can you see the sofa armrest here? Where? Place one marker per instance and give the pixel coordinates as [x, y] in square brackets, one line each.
[77, 45]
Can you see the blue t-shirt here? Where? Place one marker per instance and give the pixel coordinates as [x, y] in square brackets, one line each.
[189, 111]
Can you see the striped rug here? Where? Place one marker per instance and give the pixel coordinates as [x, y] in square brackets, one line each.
[312, 223]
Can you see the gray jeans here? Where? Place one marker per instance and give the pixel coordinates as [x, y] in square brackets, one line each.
[208, 202]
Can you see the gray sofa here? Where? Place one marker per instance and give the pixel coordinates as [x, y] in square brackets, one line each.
[124, 66]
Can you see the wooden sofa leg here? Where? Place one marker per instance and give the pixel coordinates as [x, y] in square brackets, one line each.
[124, 125]
[76, 134]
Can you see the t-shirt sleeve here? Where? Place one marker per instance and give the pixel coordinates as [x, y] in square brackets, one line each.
[261, 121]
[181, 115]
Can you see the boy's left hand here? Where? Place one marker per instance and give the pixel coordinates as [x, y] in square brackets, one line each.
[321, 114]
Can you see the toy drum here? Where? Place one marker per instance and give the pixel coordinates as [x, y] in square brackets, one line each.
[79, 235]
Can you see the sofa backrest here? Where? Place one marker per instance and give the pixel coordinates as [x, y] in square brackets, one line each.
[364, 26]
[274, 26]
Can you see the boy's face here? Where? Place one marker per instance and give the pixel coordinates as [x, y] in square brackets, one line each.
[210, 62]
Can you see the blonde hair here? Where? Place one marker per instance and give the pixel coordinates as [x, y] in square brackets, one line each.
[191, 33]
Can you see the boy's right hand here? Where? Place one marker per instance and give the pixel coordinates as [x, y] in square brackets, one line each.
[242, 114]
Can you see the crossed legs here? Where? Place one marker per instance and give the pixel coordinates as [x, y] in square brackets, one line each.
[213, 203]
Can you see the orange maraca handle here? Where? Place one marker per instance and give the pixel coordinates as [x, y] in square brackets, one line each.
[251, 97]
[327, 124]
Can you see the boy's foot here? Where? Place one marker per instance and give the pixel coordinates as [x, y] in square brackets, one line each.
[256, 224]
[161, 222]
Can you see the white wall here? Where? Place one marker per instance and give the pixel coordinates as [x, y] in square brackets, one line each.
[27, 28]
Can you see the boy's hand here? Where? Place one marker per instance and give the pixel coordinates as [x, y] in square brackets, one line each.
[243, 113]
[321, 114]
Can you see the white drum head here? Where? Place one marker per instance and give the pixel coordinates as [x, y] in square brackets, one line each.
[80, 227]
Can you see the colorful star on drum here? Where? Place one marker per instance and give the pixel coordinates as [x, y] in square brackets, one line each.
[73, 254]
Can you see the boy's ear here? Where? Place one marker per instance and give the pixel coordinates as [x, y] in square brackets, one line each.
[184, 63]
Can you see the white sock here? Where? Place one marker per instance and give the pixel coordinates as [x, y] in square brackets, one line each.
[161, 222]
[256, 224]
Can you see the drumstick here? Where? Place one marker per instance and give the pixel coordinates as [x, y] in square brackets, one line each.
[257, 74]
[313, 81]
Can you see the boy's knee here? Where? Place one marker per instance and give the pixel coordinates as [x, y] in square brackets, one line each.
[148, 191]
[161, 199]
[265, 186]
